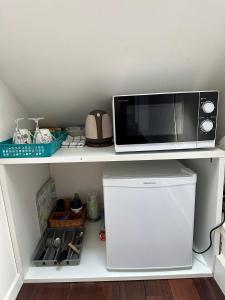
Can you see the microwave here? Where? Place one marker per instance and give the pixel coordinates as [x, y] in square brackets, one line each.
[165, 121]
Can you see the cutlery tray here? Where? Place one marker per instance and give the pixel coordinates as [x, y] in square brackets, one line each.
[47, 255]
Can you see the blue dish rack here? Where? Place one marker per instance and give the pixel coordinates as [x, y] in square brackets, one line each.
[10, 150]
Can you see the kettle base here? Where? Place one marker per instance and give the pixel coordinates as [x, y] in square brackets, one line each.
[99, 144]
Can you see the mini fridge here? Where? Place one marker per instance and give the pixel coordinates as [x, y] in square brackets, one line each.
[149, 215]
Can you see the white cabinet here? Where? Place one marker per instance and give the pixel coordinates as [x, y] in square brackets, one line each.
[219, 271]
[10, 268]
[11, 281]
[21, 179]
[75, 171]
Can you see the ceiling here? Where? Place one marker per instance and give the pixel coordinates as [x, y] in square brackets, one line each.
[64, 58]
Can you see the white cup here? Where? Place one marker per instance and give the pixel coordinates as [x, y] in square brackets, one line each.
[43, 136]
[22, 136]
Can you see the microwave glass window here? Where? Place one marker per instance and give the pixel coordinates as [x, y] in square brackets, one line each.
[162, 118]
[155, 119]
[179, 117]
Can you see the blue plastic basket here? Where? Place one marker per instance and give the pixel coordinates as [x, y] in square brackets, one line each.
[10, 150]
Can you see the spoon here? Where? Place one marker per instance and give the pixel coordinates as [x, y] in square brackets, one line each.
[78, 238]
[56, 243]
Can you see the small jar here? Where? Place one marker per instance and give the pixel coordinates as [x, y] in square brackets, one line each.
[93, 207]
[76, 206]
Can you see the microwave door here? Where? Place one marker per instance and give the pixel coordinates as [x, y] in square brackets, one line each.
[178, 120]
[145, 119]
[162, 126]
[154, 120]
[186, 108]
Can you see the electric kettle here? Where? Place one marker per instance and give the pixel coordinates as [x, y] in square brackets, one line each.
[98, 129]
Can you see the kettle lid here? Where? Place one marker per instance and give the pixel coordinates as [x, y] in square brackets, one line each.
[97, 112]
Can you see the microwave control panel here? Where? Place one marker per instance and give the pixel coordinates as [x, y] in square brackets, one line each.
[207, 115]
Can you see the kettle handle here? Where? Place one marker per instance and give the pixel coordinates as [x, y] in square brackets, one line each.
[98, 118]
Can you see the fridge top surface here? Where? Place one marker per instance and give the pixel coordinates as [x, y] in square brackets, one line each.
[146, 169]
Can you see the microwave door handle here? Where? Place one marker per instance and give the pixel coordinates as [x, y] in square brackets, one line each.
[175, 120]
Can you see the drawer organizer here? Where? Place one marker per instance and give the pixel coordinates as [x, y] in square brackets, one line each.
[10, 150]
[46, 254]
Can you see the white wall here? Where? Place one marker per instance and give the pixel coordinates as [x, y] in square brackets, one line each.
[64, 58]
[10, 110]
[77, 178]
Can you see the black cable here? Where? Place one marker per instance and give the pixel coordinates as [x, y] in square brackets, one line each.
[210, 235]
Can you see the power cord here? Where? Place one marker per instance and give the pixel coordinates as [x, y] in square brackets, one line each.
[211, 231]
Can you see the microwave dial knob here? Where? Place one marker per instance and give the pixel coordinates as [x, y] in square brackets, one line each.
[206, 126]
[208, 107]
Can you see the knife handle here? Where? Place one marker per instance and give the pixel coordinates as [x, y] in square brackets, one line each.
[74, 248]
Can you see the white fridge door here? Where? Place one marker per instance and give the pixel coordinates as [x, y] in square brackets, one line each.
[149, 228]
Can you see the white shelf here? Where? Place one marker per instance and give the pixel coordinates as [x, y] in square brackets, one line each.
[88, 154]
[93, 266]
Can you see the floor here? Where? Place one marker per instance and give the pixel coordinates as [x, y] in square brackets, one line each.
[177, 289]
